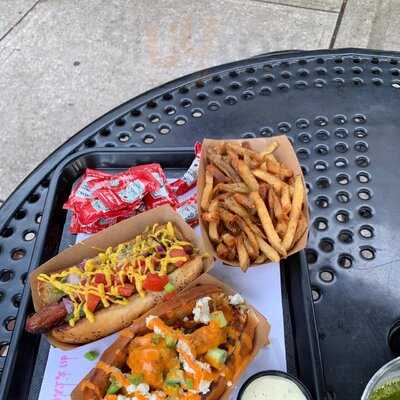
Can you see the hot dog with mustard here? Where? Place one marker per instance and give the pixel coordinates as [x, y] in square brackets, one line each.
[106, 293]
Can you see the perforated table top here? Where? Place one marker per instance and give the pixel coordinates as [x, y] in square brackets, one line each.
[340, 108]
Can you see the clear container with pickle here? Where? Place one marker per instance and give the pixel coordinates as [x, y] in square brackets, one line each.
[385, 384]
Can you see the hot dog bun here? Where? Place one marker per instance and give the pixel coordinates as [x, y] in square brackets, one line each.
[116, 317]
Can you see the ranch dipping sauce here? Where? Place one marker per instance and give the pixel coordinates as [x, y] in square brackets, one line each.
[272, 387]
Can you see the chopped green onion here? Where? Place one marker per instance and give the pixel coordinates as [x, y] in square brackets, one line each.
[169, 288]
[170, 342]
[91, 355]
[135, 379]
[155, 339]
[113, 388]
[189, 383]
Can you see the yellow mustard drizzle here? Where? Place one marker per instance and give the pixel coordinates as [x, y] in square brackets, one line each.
[130, 261]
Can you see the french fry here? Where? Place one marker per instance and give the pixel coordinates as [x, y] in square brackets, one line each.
[285, 172]
[222, 165]
[229, 239]
[233, 158]
[276, 168]
[246, 202]
[270, 203]
[261, 259]
[269, 157]
[229, 220]
[249, 233]
[247, 176]
[207, 192]
[281, 228]
[231, 187]
[272, 167]
[219, 148]
[301, 228]
[240, 150]
[277, 206]
[266, 223]
[270, 149]
[213, 225]
[297, 203]
[250, 162]
[243, 256]
[270, 179]
[232, 205]
[210, 216]
[223, 251]
[249, 248]
[256, 230]
[285, 199]
[269, 251]
[217, 174]
[263, 190]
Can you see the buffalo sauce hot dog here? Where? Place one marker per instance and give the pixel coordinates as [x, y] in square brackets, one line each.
[104, 294]
[192, 348]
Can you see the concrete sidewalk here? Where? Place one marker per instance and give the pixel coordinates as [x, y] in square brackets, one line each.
[64, 63]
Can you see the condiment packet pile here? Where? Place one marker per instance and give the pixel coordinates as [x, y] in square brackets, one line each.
[99, 200]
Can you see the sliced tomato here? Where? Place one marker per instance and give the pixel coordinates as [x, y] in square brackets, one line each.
[178, 253]
[100, 278]
[91, 302]
[126, 290]
[169, 296]
[155, 283]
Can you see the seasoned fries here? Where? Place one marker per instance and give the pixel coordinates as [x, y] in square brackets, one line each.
[205, 200]
[272, 180]
[295, 211]
[244, 260]
[285, 199]
[217, 174]
[252, 206]
[266, 223]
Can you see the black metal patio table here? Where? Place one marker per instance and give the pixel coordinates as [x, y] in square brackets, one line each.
[341, 110]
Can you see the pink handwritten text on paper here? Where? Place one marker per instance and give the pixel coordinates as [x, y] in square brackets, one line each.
[62, 377]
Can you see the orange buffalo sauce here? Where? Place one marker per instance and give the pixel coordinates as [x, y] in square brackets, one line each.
[114, 372]
[153, 360]
[170, 363]
[207, 337]
[87, 384]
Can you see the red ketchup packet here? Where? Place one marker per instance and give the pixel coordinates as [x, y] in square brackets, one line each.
[161, 196]
[99, 200]
[77, 227]
[187, 209]
[188, 181]
[116, 193]
[81, 191]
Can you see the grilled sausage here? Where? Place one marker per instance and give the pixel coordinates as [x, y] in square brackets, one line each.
[48, 317]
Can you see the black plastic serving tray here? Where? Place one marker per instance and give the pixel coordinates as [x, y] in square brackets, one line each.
[301, 338]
